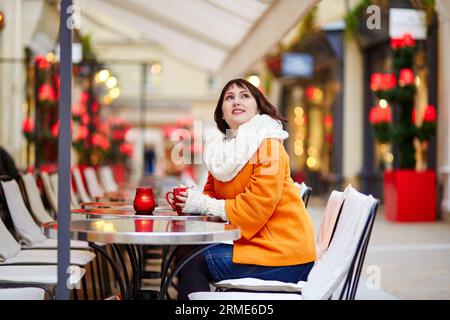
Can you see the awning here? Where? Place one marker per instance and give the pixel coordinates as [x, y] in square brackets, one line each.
[218, 36]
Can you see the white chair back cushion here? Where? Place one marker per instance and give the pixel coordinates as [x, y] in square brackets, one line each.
[74, 203]
[328, 221]
[49, 192]
[9, 247]
[34, 198]
[54, 181]
[23, 222]
[107, 179]
[94, 188]
[80, 186]
[330, 270]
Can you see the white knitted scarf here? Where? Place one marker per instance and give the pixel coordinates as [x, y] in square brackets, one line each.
[225, 157]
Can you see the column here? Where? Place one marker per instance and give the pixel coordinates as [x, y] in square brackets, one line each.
[443, 8]
[12, 76]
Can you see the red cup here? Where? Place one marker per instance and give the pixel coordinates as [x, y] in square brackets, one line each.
[144, 201]
[172, 200]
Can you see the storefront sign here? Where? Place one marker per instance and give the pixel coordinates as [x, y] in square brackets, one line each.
[297, 65]
[410, 21]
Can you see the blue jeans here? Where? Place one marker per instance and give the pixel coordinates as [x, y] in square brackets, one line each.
[220, 266]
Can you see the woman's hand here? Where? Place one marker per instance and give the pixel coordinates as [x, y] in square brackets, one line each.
[182, 198]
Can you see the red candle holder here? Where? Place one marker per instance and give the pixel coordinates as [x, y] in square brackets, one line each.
[144, 201]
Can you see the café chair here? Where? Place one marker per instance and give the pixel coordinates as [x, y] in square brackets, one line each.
[341, 262]
[37, 249]
[326, 229]
[74, 202]
[305, 192]
[93, 186]
[107, 179]
[49, 193]
[79, 185]
[32, 267]
[18, 212]
[35, 202]
[95, 189]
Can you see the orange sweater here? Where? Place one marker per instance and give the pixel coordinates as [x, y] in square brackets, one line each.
[263, 200]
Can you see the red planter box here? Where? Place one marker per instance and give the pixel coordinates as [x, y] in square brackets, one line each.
[410, 196]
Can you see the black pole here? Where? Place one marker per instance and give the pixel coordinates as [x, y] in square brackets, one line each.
[64, 142]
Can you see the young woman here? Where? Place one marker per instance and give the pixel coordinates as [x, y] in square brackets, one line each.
[249, 185]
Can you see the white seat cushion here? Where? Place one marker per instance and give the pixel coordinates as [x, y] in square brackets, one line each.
[53, 244]
[77, 257]
[23, 222]
[253, 284]
[205, 295]
[22, 294]
[39, 274]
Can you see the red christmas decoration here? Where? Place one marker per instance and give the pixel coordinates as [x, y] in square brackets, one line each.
[55, 129]
[126, 149]
[389, 81]
[380, 115]
[376, 81]
[46, 93]
[430, 114]
[84, 98]
[100, 141]
[28, 125]
[406, 41]
[82, 133]
[406, 77]
[42, 62]
[328, 120]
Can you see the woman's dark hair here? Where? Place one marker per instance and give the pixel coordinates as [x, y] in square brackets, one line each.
[264, 106]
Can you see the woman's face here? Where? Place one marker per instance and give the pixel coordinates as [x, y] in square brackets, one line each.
[238, 106]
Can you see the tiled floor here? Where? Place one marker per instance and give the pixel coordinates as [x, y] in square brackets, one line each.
[412, 259]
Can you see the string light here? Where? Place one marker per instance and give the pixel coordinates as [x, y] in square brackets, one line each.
[111, 82]
[114, 93]
[102, 75]
[156, 68]
[298, 111]
[254, 80]
[311, 162]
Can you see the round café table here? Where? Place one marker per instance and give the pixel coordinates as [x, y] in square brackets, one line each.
[124, 212]
[173, 231]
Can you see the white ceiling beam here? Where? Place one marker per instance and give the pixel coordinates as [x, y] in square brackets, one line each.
[278, 20]
[164, 21]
